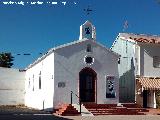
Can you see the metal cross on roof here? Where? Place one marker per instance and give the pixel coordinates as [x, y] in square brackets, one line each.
[88, 10]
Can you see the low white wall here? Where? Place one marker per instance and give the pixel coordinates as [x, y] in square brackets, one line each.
[11, 86]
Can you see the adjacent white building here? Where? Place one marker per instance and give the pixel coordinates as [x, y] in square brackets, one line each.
[139, 68]
[85, 67]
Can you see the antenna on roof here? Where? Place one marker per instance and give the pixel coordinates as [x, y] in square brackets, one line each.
[125, 26]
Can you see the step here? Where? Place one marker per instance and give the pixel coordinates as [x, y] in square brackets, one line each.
[131, 105]
[117, 113]
[68, 110]
[116, 109]
[99, 105]
[84, 111]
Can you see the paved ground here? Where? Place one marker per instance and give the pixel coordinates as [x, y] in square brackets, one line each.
[118, 117]
[23, 113]
[51, 117]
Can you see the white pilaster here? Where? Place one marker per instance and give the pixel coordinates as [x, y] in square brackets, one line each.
[154, 99]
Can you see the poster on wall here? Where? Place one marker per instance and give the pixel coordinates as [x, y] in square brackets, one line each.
[110, 91]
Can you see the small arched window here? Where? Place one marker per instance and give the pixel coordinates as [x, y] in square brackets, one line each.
[33, 83]
[40, 80]
[89, 48]
[29, 83]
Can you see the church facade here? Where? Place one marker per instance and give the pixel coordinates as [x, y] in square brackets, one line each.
[85, 67]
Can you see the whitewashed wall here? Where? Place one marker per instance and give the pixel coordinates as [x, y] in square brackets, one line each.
[142, 54]
[147, 51]
[40, 98]
[11, 86]
[126, 69]
[69, 61]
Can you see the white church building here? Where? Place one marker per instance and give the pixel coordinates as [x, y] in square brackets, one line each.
[85, 67]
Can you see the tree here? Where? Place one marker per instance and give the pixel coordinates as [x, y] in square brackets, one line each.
[6, 60]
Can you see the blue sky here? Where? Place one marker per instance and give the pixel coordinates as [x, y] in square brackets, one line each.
[35, 29]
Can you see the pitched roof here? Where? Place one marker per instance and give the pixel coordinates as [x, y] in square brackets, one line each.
[143, 38]
[65, 45]
[150, 83]
[87, 22]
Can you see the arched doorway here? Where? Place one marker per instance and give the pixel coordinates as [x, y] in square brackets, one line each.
[87, 85]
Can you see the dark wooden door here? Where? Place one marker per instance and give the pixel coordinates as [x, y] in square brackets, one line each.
[87, 86]
[145, 98]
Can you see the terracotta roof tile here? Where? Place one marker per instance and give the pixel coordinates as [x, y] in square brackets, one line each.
[150, 83]
[144, 38]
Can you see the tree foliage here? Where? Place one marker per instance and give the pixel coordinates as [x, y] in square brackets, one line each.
[6, 60]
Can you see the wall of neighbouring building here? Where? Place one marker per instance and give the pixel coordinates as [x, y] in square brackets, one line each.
[126, 69]
[147, 51]
[11, 86]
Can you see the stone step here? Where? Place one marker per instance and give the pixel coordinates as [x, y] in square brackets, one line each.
[115, 109]
[131, 105]
[118, 114]
[93, 105]
[67, 110]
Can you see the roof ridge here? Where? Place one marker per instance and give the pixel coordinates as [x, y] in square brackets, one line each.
[65, 45]
[140, 38]
[141, 34]
[51, 50]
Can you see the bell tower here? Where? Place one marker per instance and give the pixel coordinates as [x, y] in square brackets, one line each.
[87, 30]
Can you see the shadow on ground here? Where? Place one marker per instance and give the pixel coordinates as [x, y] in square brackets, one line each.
[24, 113]
[32, 117]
